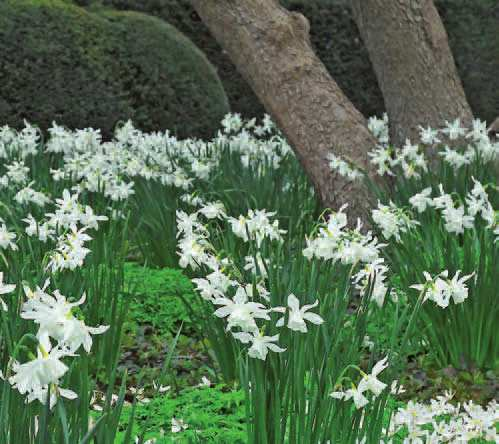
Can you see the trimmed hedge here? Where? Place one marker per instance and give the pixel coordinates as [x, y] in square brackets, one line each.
[94, 68]
[471, 24]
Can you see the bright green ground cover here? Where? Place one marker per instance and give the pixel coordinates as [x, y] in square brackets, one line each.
[211, 414]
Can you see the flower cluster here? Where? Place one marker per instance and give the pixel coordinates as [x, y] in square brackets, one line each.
[411, 158]
[440, 289]
[368, 383]
[440, 421]
[61, 333]
[458, 217]
[392, 220]
[56, 323]
[244, 306]
[256, 225]
[379, 128]
[343, 168]
[20, 144]
[336, 242]
[61, 226]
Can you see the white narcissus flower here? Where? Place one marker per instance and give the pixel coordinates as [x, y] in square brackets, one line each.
[27, 195]
[379, 128]
[192, 199]
[353, 393]
[35, 375]
[428, 135]
[435, 289]
[382, 158]
[455, 158]
[422, 200]
[91, 220]
[54, 316]
[478, 130]
[257, 266]
[457, 289]
[343, 168]
[7, 239]
[258, 225]
[444, 200]
[260, 344]
[215, 285]
[55, 393]
[392, 220]
[70, 252]
[372, 275]
[43, 231]
[241, 313]
[178, 425]
[77, 334]
[5, 289]
[188, 223]
[371, 382]
[441, 289]
[298, 316]
[454, 130]
[68, 203]
[193, 250]
[455, 219]
[213, 210]
[201, 169]
[478, 202]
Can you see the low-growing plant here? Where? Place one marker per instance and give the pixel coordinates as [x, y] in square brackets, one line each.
[200, 414]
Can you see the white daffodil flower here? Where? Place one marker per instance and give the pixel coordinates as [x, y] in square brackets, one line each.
[371, 382]
[298, 316]
[54, 316]
[353, 393]
[260, 345]
[178, 425]
[7, 239]
[241, 313]
[422, 200]
[441, 289]
[5, 289]
[33, 376]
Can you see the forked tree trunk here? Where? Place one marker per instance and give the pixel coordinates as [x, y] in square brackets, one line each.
[410, 53]
[270, 47]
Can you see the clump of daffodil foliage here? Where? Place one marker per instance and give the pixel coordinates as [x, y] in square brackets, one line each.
[281, 297]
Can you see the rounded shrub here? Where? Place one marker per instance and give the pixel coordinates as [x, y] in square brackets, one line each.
[98, 67]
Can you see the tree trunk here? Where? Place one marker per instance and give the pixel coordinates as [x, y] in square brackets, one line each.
[410, 53]
[270, 47]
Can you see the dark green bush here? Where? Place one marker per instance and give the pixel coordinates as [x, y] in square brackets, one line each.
[471, 24]
[473, 27]
[94, 68]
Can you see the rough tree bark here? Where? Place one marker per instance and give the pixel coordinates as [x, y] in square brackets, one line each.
[409, 50]
[270, 47]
